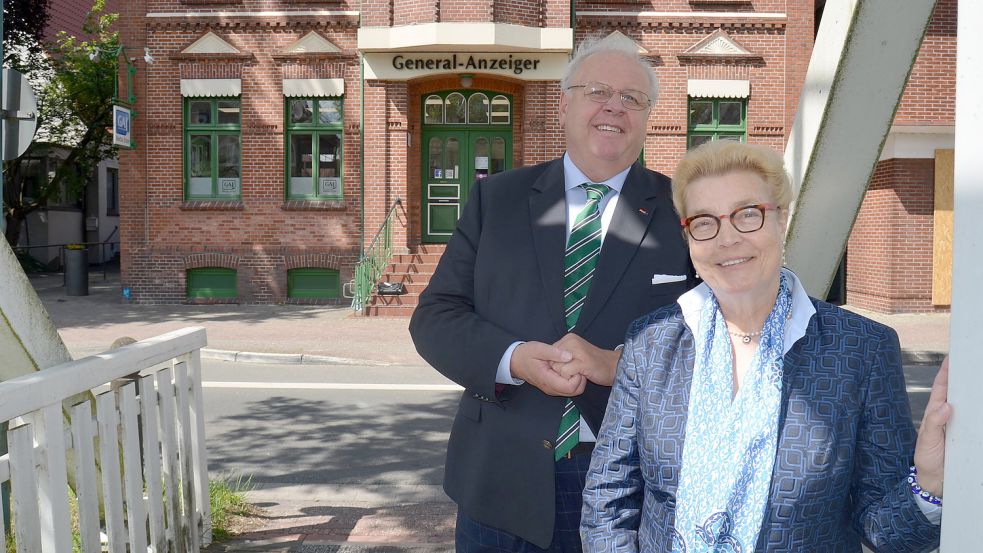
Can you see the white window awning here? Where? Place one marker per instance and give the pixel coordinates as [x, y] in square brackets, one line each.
[191, 88]
[718, 88]
[313, 87]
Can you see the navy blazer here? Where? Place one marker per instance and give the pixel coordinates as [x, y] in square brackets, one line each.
[845, 443]
[501, 281]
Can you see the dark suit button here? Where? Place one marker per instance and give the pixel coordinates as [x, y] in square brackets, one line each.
[547, 444]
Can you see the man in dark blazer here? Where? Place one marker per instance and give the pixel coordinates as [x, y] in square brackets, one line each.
[495, 318]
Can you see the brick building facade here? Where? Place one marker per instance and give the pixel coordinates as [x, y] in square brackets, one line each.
[273, 137]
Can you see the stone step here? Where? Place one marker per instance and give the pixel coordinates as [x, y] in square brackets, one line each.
[411, 268]
[412, 287]
[418, 258]
[389, 310]
[406, 278]
[429, 248]
[414, 270]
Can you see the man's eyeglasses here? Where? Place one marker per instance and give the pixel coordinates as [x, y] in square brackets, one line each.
[599, 92]
[745, 219]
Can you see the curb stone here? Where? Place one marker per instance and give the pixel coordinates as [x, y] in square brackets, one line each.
[286, 358]
[908, 357]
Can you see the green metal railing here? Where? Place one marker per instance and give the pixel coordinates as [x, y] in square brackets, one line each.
[374, 260]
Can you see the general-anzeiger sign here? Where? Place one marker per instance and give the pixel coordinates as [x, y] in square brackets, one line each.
[528, 66]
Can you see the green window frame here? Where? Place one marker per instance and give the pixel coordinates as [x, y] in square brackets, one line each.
[212, 282]
[212, 148]
[716, 119]
[313, 283]
[315, 131]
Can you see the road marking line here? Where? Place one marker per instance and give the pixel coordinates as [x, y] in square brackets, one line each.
[334, 386]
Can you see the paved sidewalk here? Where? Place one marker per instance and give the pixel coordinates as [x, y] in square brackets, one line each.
[282, 333]
[314, 334]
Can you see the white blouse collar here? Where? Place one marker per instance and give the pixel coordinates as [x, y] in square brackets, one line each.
[692, 302]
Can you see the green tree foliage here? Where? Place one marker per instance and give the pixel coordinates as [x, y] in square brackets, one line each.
[74, 85]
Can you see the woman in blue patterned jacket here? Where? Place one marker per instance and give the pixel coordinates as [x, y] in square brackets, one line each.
[751, 417]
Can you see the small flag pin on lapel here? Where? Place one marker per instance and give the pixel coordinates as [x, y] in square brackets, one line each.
[643, 211]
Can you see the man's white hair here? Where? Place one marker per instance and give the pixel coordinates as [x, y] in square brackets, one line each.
[613, 43]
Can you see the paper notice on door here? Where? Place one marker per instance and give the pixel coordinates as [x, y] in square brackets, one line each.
[481, 162]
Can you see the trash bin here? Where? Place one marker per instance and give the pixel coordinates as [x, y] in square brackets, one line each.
[76, 270]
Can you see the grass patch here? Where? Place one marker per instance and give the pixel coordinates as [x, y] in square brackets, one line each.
[229, 505]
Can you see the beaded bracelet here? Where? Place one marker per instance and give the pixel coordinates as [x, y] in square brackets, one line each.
[917, 490]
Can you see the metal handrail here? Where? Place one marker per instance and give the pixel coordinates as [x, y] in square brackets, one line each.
[61, 250]
[373, 261]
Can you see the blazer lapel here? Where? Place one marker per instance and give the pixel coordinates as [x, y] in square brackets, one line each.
[635, 209]
[548, 220]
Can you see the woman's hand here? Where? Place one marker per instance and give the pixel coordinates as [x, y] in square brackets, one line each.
[930, 448]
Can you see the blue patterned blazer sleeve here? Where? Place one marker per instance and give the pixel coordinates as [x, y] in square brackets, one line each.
[885, 512]
[615, 487]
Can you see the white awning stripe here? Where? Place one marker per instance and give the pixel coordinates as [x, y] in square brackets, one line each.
[718, 88]
[192, 88]
[313, 87]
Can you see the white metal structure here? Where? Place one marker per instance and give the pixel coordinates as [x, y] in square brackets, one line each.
[860, 63]
[138, 450]
[964, 441]
[29, 340]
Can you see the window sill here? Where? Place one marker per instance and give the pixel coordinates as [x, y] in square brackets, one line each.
[212, 205]
[313, 205]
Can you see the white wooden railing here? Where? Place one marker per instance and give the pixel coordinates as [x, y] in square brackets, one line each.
[136, 458]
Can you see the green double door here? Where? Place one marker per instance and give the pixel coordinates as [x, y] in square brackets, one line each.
[453, 160]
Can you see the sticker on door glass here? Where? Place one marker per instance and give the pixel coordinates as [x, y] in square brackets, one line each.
[330, 186]
[481, 162]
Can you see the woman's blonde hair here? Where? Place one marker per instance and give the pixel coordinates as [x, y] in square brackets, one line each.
[723, 156]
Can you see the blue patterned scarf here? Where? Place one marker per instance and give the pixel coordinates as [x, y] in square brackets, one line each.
[730, 442]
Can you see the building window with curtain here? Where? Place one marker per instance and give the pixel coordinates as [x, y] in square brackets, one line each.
[213, 148]
[716, 119]
[314, 148]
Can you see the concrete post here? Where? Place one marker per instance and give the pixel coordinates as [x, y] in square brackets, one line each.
[964, 441]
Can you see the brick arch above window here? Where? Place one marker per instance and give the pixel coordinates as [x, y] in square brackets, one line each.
[313, 261]
[212, 259]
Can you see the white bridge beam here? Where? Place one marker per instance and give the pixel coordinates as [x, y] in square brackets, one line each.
[863, 55]
[964, 441]
[29, 340]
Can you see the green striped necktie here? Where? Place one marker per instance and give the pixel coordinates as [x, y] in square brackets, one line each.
[583, 249]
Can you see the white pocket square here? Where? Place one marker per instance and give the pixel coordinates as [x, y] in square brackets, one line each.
[662, 279]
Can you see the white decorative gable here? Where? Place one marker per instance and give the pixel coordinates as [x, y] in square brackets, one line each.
[718, 45]
[312, 43]
[641, 50]
[210, 43]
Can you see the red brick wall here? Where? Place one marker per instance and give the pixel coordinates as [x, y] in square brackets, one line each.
[161, 232]
[767, 105]
[930, 96]
[889, 254]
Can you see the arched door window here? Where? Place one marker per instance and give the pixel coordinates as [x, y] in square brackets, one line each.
[478, 109]
[455, 111]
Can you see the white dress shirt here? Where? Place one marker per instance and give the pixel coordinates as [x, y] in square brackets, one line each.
[576, 198]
